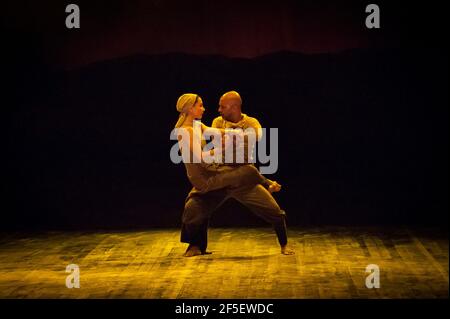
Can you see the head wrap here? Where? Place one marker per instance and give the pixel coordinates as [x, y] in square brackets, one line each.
[183, 104]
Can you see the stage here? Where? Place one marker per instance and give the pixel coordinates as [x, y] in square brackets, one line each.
[330, 262]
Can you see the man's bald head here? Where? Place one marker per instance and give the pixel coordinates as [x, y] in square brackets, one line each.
[230, 106]
[233, 97]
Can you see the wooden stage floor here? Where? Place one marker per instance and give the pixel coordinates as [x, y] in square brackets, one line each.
[330, 262]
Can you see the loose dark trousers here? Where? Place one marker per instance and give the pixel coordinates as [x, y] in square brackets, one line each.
[199, 207]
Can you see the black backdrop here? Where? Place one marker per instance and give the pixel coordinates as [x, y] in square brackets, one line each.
[363, 135]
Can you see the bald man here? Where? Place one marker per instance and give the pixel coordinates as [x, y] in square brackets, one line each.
[258, 199]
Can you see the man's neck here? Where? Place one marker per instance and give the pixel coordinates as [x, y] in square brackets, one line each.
[236, 118]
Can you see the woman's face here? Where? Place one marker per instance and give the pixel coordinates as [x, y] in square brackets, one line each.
[197, 109]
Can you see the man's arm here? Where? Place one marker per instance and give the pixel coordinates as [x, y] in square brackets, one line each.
[254, 124]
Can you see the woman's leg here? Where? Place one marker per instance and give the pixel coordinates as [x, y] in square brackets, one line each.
[233, 176]
[197, 211]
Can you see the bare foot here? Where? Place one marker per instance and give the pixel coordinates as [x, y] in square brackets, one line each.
[192, 251]
[274, 187]
[285, 250]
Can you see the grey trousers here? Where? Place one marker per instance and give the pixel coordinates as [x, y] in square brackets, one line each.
[199, 207]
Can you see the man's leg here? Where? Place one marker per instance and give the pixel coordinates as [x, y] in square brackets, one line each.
[197, 211]
[261, 202]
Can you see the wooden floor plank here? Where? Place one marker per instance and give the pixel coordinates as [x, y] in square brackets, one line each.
[330, 262]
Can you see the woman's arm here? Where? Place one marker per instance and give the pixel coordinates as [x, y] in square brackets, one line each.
[190, 141]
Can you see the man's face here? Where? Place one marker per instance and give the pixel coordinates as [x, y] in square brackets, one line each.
[227, 108]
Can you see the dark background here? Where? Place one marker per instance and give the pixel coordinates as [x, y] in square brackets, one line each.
[362, 114]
